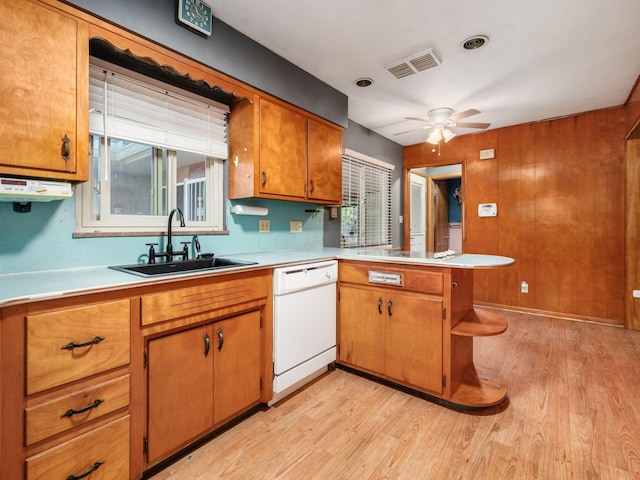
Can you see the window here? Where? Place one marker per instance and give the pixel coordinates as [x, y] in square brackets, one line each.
[152, 148]
[366, 202]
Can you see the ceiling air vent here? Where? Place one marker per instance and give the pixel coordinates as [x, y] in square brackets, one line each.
[413, 64]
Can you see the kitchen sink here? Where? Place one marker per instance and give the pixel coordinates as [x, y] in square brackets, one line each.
[180, 267]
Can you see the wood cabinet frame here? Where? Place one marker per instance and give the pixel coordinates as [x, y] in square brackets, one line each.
[13, 365]
[300, 159]
[463, 383]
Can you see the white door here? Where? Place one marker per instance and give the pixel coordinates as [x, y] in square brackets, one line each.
[418, 212]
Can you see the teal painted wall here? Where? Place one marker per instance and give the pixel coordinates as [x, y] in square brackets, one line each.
[43, 239]
[455, 209]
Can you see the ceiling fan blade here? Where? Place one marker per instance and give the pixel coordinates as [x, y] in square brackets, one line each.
[426, 120]
[467, 113]
[472, 125]
[412, 130]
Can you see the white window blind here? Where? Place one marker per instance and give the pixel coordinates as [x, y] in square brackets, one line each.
[366, 203]
[147, 114]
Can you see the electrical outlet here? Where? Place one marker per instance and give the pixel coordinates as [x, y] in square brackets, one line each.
[264, 226]
[295, 227]
[524, 287]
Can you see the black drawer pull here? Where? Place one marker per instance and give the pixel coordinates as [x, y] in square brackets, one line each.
[94, 467]
[71, 345]
[380, 306]
[389, 308]
[64, 152]
[71, 412]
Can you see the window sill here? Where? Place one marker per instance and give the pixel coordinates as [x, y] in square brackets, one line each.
[150, 233]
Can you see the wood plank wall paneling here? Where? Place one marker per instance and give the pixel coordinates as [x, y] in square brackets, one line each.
[633, 207]
[633, 233]
[560, 189]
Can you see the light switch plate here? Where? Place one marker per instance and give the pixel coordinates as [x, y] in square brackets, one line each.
[264, 226]
[295, 227]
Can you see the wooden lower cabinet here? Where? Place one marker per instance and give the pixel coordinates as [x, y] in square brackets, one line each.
[65, 388]
[413, 340]
[199, 378]
[207, 354]
[107, 385]
[398, 335]
[361, 329]
[414, 326]
[180, 392]
[236, 365]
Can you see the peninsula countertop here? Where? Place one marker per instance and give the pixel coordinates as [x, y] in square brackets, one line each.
[16, 288]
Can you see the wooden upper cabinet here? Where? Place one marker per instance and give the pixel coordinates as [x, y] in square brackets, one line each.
[277, 151]
[324, 163]
[43, 92]
[283, 150]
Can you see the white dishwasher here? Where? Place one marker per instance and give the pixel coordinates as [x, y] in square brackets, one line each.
[304, 324]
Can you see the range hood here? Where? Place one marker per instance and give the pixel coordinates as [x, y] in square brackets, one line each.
[24, 190]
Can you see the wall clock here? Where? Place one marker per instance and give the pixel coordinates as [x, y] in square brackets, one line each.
[195, 14]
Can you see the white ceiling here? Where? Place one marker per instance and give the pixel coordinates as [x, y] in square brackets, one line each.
[544, 58]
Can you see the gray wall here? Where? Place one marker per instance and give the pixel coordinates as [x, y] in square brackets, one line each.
[227, 51]
[362, 140]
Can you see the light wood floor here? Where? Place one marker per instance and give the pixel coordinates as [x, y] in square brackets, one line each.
[573, 413]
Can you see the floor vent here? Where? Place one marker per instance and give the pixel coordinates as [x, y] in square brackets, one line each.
[413, 64]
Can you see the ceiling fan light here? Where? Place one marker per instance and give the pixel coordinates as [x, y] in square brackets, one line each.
[447, 134]
[436, 134]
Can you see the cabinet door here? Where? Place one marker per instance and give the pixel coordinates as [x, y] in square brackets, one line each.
[237, 353]
[180, 390]
[413, 339]
[283, 151]
[324, 163]
[44, 89]
[362, 328]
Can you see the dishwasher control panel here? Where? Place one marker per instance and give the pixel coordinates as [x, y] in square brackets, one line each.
[299, 277]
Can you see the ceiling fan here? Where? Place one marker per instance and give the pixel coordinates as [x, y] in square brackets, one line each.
[441, 120]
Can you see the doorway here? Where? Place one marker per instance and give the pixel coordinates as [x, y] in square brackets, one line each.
[418, 221]
[442, 202]
[441, 215]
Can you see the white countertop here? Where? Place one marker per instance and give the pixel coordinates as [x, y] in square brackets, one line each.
[18, 288]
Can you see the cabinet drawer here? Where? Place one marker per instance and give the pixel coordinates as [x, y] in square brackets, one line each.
[69, 411]
[105, 450]
[190, 301]
[54, 356]
[418, 280]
